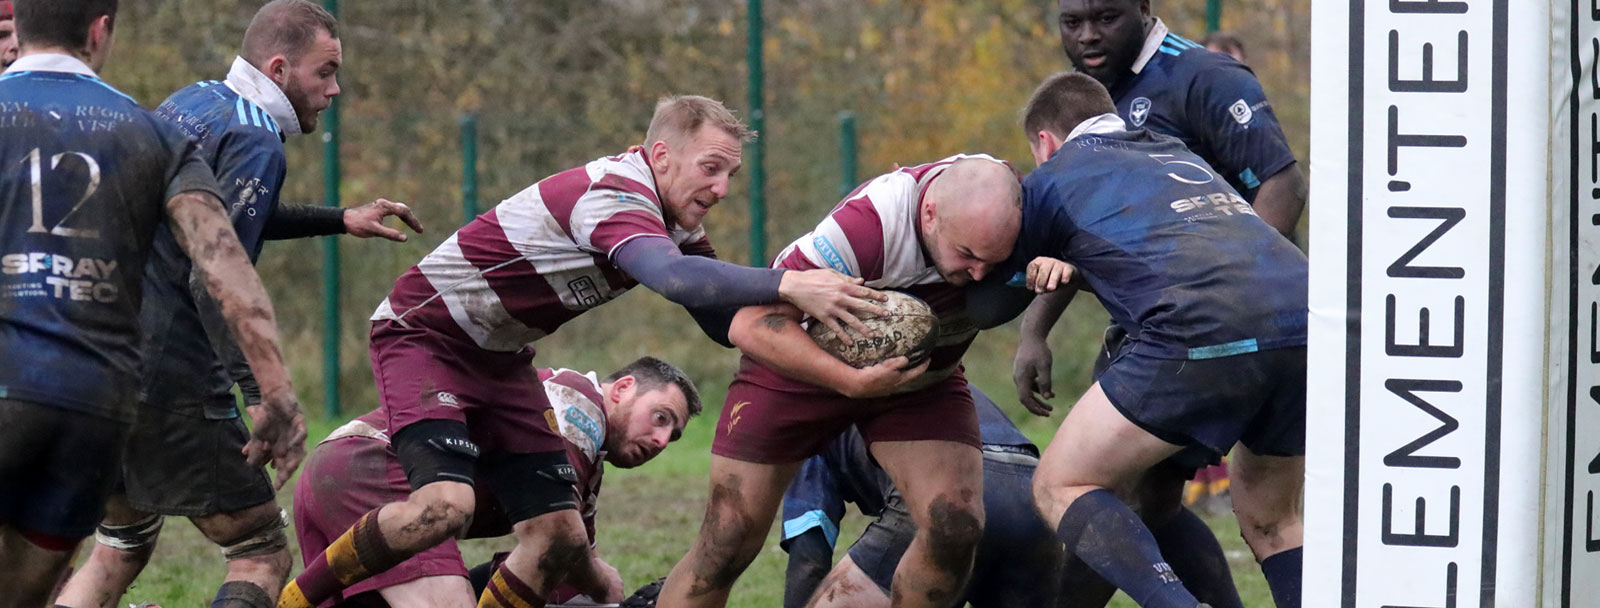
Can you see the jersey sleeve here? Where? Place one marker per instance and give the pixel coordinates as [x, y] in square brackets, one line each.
[612, 212]
[849, 240]
[189, 172]
[251, 169]
[698, 244]
[1235, 121]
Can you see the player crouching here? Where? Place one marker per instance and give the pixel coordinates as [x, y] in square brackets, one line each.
[626, 420]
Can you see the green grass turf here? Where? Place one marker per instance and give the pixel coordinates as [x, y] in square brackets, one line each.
[648, 517]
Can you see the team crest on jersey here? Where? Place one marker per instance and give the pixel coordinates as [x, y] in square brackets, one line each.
[1241, 112]
[1138, 111]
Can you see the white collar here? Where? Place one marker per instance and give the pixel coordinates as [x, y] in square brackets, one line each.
[1152, 44]
[51, 62]
[1104, 123]
[251, 84]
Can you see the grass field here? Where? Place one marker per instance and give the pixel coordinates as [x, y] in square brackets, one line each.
[650, 515]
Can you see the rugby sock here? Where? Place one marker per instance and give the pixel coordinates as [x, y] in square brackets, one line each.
[1283, 576]
[1105, 534]
[507, 591]
[358, 553]
[241, 594]
[1197, 558]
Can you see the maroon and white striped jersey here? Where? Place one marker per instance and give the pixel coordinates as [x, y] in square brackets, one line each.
[539, 258]
[873, 234]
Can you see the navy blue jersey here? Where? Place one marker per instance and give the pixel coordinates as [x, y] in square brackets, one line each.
[845, 473]
[1176, 256]
[1209, 101]
[84, 175]
[244, 146]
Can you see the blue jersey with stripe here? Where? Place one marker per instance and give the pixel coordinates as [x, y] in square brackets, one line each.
[1214, 105]
[845, 473]
[245, 148]
[84, 175]
[1176, 256]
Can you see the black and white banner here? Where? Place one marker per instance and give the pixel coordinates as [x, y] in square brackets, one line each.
[1574, 473]
[1432, 341]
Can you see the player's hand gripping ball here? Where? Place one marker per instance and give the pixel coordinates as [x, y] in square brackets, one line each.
[907, 328]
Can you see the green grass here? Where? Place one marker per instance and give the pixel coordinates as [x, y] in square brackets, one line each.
[650, 515]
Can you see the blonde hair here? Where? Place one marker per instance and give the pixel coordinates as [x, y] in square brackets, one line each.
[679, 116]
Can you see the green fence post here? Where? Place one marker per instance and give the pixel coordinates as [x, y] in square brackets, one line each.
[758, 121]
[847, 153]
[469, 168]
[330, 254]
[1213, 15]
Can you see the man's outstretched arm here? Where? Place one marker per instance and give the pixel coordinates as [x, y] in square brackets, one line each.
[202, 229]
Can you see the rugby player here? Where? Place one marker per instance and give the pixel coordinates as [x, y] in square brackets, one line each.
[1166, 83]
[929, 230]
[8, 35]
[1017, 562]
[625, 419]
[451, 345]
[96, 175]
[284, 76]
[1214, 304]
[1172, 85]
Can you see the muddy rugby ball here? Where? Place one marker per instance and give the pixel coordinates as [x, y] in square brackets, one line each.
[907, 328]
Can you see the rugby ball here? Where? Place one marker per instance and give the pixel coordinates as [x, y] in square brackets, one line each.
[907, 328]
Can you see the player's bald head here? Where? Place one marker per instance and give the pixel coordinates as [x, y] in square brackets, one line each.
[287, 28]
[978, 190]
[969, 218]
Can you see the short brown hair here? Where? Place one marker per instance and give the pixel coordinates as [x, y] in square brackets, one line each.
[1064, 100]
[652, 373]
[679, 116]
[60, 23]
[285, 27]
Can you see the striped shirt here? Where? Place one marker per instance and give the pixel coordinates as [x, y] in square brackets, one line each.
[539, 258]
[874, 234]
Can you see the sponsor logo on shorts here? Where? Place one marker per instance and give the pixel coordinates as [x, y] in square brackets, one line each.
[830, 255]
[733, 415]
[448, 400]
[1138, 111]
[1241, 112]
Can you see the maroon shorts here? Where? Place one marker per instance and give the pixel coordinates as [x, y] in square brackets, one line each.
[770, 426]
[344, 479]
[425, 375]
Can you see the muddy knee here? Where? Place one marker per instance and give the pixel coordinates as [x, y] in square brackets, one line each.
[261, 544]
[728, 539]
[564, 550]
[443, 509]
[953, 531]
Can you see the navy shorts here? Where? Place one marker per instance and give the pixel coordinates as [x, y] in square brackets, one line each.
[1019, 559]
[1208, 405]
[56, 468]
[188, 460]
